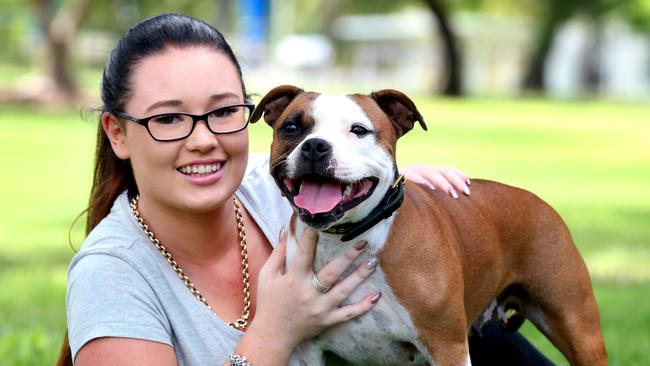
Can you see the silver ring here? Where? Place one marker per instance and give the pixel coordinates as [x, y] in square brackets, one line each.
[319, 285]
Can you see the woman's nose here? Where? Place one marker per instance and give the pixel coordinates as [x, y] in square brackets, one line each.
[201, 138]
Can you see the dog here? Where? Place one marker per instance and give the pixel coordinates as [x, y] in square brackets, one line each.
[445, 266]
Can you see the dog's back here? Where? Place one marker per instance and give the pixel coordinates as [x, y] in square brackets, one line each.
[514, 250]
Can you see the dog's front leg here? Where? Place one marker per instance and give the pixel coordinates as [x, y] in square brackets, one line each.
[307, 353]
[446, 349]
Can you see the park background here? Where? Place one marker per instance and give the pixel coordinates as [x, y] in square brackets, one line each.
[552, 96]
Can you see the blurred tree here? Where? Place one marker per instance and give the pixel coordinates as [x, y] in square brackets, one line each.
[453, 64]
[555, 13]
[440, 10]
[59, 21]
[636, 12]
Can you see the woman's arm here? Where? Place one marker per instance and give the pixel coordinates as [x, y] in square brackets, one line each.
[111, 319]
[109, 351]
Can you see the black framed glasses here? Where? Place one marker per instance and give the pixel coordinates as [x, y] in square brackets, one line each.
[177, 126]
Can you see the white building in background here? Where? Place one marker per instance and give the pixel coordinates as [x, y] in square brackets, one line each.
[623, 61]
[403, 51]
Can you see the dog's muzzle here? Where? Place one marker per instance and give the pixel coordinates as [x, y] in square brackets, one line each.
[316, 158]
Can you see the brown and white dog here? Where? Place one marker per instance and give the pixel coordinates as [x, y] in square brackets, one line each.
[445, 265]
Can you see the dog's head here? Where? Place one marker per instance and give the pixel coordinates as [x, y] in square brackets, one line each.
[333, 157]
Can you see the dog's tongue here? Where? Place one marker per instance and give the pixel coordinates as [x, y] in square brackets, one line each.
[317, 197]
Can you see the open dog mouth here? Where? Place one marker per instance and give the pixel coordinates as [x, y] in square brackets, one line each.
[317, 195]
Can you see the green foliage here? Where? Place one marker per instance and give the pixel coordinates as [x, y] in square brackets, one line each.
[16, 29]
[118, 16]
[637, 13]
[589, 160]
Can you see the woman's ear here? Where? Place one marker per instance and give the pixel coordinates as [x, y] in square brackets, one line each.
[115, 131]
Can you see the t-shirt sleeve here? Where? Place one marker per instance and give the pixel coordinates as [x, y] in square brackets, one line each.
[109, 297]
[261, 197]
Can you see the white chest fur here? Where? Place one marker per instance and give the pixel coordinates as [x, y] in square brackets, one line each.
[385, 335]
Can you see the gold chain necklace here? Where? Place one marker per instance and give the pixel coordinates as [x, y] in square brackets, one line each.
[240, 323]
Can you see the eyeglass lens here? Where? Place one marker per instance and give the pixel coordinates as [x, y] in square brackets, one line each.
[177, 125]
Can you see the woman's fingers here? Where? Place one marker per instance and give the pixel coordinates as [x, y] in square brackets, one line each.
[436, 180]
[277, 260]
[302, 262]
[346, 286]
[446, 179]
[347, 312]
[330, 273]
[457, 179]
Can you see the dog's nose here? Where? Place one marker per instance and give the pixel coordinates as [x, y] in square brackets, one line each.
[315, 149]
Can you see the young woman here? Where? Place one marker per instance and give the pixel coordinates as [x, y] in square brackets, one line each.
[184, 260]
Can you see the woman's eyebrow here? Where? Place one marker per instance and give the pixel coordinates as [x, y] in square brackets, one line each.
[177, 103]
[222, 96]
[164, 103]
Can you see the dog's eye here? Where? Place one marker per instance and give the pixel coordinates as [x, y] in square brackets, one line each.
[290, 128]
[359, 130]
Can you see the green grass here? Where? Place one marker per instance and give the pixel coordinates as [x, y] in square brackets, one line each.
[590, 160]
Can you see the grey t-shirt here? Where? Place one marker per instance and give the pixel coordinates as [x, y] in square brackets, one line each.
[119, 285]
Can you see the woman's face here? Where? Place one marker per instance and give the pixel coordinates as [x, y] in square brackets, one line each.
[193, 80]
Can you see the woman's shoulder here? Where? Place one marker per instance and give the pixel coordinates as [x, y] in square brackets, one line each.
[116, 235]
[262, 199]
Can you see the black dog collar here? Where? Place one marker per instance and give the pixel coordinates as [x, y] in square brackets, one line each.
[391, 201]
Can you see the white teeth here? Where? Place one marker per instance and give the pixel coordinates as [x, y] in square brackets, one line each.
[200, 170]
[348, 190]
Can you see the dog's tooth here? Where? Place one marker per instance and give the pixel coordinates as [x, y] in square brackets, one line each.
[288, 183]
[348, 190]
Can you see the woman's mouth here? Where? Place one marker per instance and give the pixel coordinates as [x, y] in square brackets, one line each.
[199, 170]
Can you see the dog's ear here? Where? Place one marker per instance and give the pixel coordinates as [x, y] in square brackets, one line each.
[400, 108]
[274, 102]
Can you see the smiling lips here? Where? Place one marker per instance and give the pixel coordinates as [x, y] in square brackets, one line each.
[199, 170]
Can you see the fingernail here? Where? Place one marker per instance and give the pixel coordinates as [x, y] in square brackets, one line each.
[431, 187]
[372, 263]
[469, 183]
[283, 233]
[375, 298]
[453, 192]
[361, 245]
[466, 191]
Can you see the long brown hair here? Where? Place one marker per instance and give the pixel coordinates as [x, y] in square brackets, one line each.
[112, 176]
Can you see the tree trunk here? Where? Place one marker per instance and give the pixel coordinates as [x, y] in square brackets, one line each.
[534, 79]
[60, 27]
[64, 80]
[557, 12]
[453, 64]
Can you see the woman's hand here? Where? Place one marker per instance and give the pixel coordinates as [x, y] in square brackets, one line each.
[289, 307]
[446, 179]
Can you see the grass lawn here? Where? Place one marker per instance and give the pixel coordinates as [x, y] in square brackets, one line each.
[590, 160]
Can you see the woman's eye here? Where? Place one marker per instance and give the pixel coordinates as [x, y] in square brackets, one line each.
[224, 112]
[168, 119]
[359, 130]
